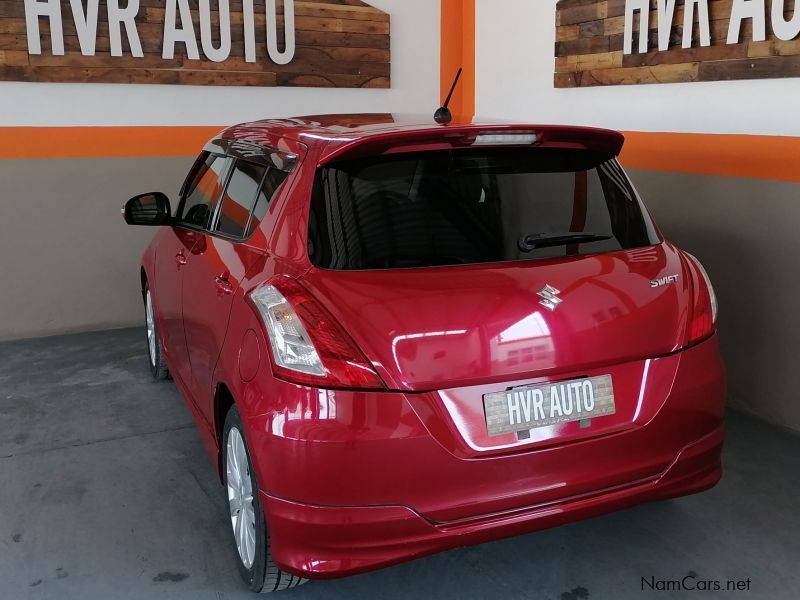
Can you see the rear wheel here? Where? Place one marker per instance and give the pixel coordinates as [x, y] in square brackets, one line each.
[155, 351]
[250, 535]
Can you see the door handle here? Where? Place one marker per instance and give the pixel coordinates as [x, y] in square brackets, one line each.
[180, 259]
[223, 285]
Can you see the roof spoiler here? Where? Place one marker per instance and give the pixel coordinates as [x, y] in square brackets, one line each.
[446, 138]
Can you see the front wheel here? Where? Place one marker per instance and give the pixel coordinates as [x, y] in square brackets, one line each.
[250, 535]
[155, 350]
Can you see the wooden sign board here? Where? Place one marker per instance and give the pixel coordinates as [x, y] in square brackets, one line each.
[601, 42]
[320, 43]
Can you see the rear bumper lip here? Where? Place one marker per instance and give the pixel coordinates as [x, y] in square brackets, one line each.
[322, 542]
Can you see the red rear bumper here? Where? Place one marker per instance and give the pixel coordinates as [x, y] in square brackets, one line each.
[326, 541]
[354, 481]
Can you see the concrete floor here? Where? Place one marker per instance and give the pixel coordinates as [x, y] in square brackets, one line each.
[106, 492]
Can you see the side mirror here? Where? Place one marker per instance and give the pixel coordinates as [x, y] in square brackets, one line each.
[147, 209]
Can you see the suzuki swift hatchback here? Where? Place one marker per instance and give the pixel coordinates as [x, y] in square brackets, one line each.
[398, 337]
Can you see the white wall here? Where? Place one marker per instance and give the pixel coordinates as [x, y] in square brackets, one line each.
[415, 32]
[515, 42]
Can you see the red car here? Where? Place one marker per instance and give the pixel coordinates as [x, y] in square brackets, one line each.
[399, 337]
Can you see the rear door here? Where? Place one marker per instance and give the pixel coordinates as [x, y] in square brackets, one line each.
[220, 260]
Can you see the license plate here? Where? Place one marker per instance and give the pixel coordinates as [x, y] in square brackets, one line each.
[529, 407]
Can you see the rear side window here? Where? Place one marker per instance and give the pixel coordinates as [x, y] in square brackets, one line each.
[240, 198]
[269, 189]
[472, 206]
[250, 191]
[203, 191]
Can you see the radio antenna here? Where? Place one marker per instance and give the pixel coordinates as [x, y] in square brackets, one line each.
[443, 116]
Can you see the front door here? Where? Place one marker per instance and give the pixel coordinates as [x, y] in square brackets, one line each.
[172, 250]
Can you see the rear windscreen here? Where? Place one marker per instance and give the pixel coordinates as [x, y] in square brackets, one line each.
[471, 206]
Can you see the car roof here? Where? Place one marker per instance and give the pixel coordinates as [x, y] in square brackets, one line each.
[334, 132]
[335, 126]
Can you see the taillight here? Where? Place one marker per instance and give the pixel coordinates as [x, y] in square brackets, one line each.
[703, 317]
[308, 345]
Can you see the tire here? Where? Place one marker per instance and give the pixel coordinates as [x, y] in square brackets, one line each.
[155, 349]
[254, 560]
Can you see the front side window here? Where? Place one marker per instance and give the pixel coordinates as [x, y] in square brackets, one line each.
[472, 206]
[203, 192]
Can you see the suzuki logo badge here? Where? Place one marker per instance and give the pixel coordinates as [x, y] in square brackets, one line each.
[549, 297]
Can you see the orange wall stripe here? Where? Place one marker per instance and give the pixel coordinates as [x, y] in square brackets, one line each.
[754, 156]
[458, 50]
[103, 142]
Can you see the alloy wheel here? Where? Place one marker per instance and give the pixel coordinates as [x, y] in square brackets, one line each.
[240, 498]
[151, 328]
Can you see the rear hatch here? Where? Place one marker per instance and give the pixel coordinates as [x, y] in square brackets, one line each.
[467, 271]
